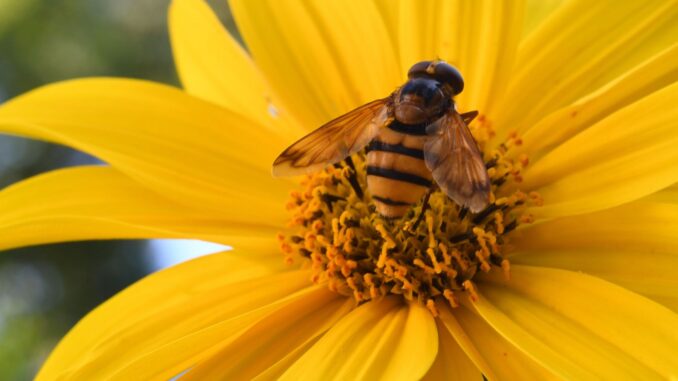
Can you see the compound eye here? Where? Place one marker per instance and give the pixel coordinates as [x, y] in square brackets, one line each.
[447, 73]
[419, 69]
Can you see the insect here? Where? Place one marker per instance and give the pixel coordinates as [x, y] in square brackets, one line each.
[413, 136]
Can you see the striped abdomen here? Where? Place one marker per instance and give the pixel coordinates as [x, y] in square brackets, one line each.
[397, 176]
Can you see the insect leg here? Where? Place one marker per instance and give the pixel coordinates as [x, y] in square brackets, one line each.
[424, 206]
[353, 178]
[462, 212]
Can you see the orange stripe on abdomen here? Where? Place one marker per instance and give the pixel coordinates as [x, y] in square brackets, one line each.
[396, 181]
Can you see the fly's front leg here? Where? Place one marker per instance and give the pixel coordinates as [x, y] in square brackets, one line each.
[353, 178]
[424, 207]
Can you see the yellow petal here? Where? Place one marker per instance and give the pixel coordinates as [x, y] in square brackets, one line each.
[190, 150]
[99, 202]
[580, 327]
[657, 72]
[625, 156]
[274, 336]
[171, 320]
[668, 195]
[462, 338]
[580, 48]
[322, 58]
[451, 362]
[213, 66]
[633, 245]
[480, 38]
[505, 361]
[378, 340]
[638, 226]
[537, 12]
[210, 63]
[648, 273]
[390, 14]
[225, 333]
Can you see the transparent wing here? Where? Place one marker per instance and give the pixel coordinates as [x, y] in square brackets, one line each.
[333, 141]
[457, 166]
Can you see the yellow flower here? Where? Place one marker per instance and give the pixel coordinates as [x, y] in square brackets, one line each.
[591, 91]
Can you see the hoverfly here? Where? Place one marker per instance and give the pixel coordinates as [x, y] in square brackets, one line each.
[413, 136]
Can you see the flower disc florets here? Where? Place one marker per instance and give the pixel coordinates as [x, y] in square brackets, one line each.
[422, 257]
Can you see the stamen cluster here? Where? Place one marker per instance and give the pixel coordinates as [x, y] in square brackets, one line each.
[422, 257]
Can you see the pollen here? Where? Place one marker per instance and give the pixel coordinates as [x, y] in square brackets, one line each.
[430, 255]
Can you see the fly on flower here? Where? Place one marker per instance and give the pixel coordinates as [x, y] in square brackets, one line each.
[413, 136]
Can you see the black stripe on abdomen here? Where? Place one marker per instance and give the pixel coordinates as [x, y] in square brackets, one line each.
[397, 175]
[388, 201]
[409, 129]
[376, 145]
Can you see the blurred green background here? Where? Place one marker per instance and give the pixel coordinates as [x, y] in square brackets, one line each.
[44, 290]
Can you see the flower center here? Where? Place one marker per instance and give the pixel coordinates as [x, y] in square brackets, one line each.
[432, 252]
